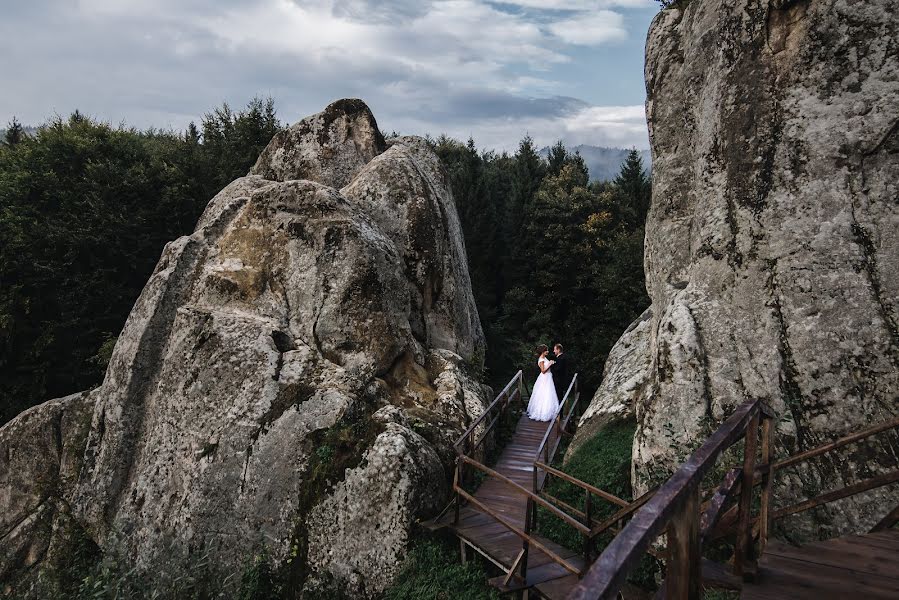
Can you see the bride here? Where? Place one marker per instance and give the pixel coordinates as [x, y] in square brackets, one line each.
[544, 401]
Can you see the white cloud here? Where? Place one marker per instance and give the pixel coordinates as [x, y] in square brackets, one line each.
[493, 70]
[579, 5]
[590, 29]
[616, 126]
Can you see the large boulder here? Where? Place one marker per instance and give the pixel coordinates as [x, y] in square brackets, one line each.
[624, 379]
[287, 382]
[772, 243]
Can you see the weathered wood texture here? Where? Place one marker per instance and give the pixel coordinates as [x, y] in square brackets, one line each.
[493, 522]
[859, 566]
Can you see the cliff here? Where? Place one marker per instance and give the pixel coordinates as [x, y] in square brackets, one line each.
[772, 247]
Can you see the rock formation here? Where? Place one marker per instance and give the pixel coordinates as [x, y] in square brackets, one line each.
[623, 381]
[772, 246]
[287, 383]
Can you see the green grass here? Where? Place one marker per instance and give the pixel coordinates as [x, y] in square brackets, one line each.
[433, 571]
[603, 461]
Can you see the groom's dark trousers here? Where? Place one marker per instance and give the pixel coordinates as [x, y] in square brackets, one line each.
[561, 379]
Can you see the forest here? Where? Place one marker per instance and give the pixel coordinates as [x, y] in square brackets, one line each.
[86, 209]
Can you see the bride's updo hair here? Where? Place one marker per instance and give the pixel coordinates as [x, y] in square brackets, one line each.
[541, 349]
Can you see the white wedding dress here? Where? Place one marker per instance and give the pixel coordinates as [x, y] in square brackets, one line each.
[544, 401]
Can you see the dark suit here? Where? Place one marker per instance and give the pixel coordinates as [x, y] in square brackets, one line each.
[561, 377]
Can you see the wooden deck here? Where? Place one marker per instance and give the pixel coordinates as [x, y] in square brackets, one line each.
[493, 540]
[858, 566]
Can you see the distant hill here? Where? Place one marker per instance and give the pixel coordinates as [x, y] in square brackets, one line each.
[604, 163]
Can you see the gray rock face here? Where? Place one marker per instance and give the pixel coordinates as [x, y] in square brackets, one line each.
[244, 407]
[624, 380]
[772, 244]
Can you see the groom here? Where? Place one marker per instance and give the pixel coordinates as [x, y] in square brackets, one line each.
[561, 379]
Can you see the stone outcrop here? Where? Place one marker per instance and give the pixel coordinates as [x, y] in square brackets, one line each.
[772, 243]
[623, 381]
[287, 382]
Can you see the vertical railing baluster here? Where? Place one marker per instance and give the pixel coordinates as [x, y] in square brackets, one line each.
[743, 552]
[587, 521]
[530, 508]
[457, 483]
[683, 574]
[767, 482]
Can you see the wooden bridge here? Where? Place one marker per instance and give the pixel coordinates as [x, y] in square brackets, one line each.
[494, 513]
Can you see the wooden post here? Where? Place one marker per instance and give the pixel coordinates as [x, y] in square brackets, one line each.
[587, 521]
[530, 508]
[683, 572]
[456, 483]
[521, 389]
[744, 564]
[463, 552]
[767, 483]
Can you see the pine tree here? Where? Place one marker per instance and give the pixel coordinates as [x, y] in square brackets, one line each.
[635, 188]
[14, 132]
[556, 158]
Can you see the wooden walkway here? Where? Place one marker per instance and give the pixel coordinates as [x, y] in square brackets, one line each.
[858, 566]
[480, 531]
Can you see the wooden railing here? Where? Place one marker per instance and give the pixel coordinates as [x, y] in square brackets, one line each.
[470, 442]
[558, 425]
[676, 510]
[675, 507]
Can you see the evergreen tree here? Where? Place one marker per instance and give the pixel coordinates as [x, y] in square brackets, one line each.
[14, 132]
[635, 187]
[85, 210]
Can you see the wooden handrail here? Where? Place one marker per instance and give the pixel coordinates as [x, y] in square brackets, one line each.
[582, 484]
[536, 498]
[850, 490]
[623, 513]
[606, 576]
[484, 414]
[838, 443]
[554, 419]
[524, 536]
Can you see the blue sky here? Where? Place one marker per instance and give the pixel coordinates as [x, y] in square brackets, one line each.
[554, 69]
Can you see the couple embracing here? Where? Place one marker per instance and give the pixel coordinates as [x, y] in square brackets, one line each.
[551, 383]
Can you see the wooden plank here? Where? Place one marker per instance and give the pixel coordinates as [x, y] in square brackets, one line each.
[522, 534]
[791, 577]
[534, 497]
[839, 553]
[558, 589]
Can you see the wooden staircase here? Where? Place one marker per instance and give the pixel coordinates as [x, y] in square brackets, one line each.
[498, 517]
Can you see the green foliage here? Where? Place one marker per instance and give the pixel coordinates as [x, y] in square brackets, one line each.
[604, 462]
[551, 256]
[14, 133]
[85, 210]
[258, 581]
[432, 571]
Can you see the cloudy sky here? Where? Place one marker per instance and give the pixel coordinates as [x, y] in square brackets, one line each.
[556, 69]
